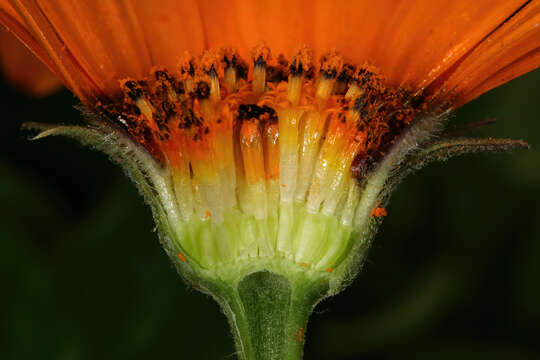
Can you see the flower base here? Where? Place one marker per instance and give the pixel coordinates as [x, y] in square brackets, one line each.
[298, 237]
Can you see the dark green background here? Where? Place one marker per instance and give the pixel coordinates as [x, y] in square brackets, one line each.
[454, 271]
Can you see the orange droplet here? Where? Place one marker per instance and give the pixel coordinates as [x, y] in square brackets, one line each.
[329, 270]
[304, 264]
[181, 257]
[282, 185]
[300, 334]
[378, 212]
[207, 214]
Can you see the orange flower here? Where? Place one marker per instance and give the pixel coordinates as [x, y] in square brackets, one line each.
[276, 129]
[463, 48]
[245, 120]
[23, 70]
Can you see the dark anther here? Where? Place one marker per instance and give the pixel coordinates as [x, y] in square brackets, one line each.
[134, 90]
[238, 64]
[162, 75]
[228, 61]
[260, 62]
[252, 111]
[241, 70]
[178, 87]
[330, 74]
[276, 74]
[359, 103]
[212, 72]
[188, 120]
[168, 109]
[296, 68]
[346, 73]
[366, 77]
[202, 91]
[161, 92]
[190, 71]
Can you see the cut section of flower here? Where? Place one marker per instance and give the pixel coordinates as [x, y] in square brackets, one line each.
[268, 171]
[268, 167]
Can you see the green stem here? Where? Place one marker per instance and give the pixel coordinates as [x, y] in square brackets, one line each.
[268, 314]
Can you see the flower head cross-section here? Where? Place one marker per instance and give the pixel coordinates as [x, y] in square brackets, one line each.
[267, 136]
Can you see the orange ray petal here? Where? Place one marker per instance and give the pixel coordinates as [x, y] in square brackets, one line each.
[11, 20]
[170, 28]
[104, 44]
[411, 41]
[414, 42]
[523, 65]
[510, 51]
[282, 24]
[24, 70]
[31, 28]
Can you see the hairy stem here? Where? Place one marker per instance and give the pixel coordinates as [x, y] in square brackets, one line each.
[268, 314]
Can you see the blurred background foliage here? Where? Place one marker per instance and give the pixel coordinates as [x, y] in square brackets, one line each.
[454, 271]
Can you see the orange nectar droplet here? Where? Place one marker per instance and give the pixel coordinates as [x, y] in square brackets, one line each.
[181, 257]
[207, 214]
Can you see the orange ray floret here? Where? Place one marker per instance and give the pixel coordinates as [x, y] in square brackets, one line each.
[513, 49]
[414, 43]
[23, 70]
